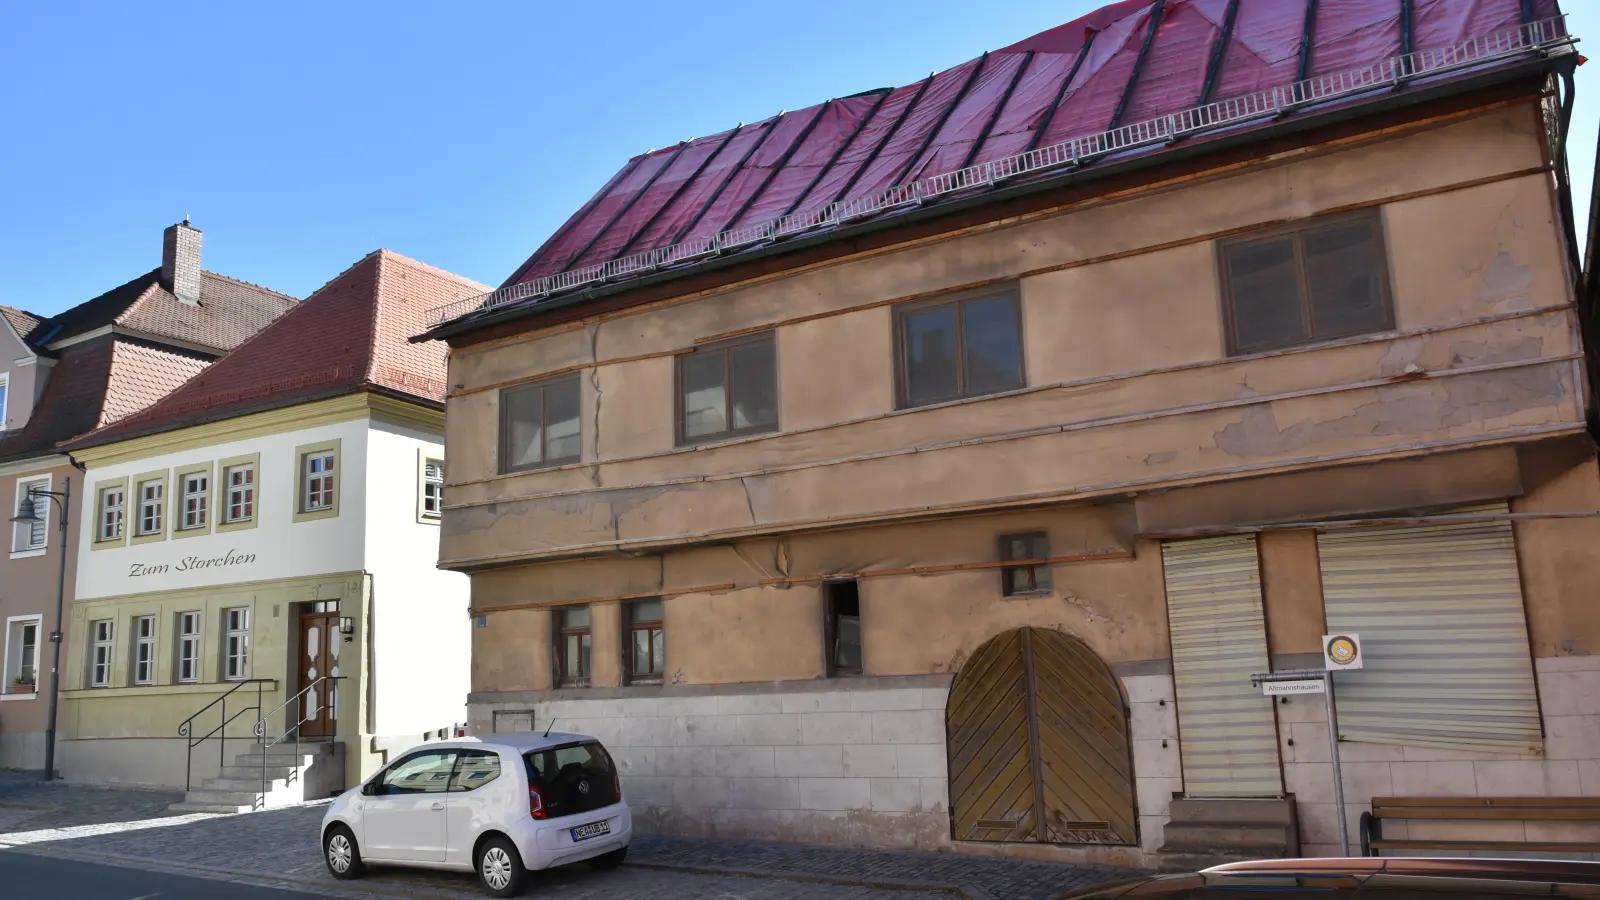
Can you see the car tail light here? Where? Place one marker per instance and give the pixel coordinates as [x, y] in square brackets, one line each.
[616, 784]
[536, 803]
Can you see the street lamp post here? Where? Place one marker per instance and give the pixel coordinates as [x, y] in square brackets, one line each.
[27, 513]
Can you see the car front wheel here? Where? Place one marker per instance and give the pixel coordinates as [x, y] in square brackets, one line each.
[339, 851]
[500, 868]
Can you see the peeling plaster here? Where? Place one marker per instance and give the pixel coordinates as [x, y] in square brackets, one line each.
[1402, 355]
[1484, 352]
[1505, 283]
[1089, 613]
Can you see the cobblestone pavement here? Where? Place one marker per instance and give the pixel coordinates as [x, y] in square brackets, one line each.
[132, 828]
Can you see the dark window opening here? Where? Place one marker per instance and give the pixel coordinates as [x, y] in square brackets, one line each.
[539, 424]
[842, 629]
[1029, 579]
[1312, 283]
[645, 650]
[574, 647]
[728, 390]
[961, 348]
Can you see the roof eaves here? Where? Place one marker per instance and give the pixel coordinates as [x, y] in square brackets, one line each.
[122, 430]
[1289, 125]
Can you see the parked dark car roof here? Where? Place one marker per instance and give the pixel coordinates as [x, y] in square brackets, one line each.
[1336, 879]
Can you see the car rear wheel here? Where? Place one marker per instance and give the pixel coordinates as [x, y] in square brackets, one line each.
[339, 851]
[608, 861]
[500, 869]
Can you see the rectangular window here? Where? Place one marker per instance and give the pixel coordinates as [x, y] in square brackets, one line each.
[22, 656]
[842, 626]
[111, 500]
[573, 647]
[100, 653]
[144, 650]
[196, 494]
[152, 503]
[432, 488]
[26, 536]
[959, 348]
[4, 383]
[240, 482]
[236, 644]
[646, 650]
[1314, 282]
[539, 424]
[1030, 579]
[318, 477]
[728, 390]
[188, 647]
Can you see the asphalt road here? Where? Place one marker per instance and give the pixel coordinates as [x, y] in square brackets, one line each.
[22, 875]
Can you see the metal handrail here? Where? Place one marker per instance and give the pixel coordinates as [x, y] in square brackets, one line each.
[1546, 36]
[261, 733]
[186, 727]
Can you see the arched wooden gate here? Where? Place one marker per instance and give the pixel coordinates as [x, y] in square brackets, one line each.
[1038, 744]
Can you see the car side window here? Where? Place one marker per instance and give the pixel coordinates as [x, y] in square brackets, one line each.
[421, 773]
[474, 769]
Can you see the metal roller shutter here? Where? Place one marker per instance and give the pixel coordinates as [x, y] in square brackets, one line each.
[1226, 728]
[1439, 611]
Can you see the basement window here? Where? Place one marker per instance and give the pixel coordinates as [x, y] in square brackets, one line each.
[842, 627]
[1312, 282]
[1029, 579]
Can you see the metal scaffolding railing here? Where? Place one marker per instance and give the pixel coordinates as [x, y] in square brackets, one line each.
[1543, 36]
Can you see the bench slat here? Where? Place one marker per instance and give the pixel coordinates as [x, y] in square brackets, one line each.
[1560, 846]
[1489, 802]
[1488, 813]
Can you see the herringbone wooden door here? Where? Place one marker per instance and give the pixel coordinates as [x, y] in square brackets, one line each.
[1038, 744]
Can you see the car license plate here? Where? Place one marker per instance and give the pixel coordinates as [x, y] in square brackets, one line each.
[593, 829]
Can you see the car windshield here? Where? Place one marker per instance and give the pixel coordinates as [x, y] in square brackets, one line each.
[573, 778]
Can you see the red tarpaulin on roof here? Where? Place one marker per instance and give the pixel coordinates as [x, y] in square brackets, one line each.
[1132, 61]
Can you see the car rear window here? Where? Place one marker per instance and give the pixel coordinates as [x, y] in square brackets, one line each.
[573, 778]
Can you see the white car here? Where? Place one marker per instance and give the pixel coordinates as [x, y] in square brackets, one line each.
[499, 806]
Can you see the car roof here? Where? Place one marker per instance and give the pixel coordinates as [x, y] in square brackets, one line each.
[520, 741]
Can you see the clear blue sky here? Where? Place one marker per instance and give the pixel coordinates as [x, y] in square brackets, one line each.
[300, 136]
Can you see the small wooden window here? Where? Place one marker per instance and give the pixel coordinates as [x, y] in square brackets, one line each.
[110, 528]
[144, 650]
[241, 484]
[728, 389]
[1029, 579]
[432, 488]
[574, 647]
[318, 477]
[646, 650]
[539, 424]
[100, 658]
[236, 644]
[196, 496]
[842, 627]
[152, 501]
[188, 647]
[1315, 282]
[964, 347]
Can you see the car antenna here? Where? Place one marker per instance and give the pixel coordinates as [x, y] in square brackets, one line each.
[550, 726]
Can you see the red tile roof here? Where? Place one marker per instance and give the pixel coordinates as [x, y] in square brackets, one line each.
[349, 336]
[229, 312]
[23, 321]
[1130, 62]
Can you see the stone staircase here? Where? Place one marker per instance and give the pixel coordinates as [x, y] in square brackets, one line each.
[1204, 833]
[313, 772]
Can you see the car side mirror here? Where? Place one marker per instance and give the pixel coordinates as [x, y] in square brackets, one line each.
[372, 788]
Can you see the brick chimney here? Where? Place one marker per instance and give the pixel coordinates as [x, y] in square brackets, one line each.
[180, 261]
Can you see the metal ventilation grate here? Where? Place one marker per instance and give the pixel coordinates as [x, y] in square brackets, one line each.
[1542, 36]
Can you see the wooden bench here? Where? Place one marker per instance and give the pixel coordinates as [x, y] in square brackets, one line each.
[1531, 809]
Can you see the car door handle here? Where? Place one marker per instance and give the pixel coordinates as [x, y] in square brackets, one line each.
[437, 806]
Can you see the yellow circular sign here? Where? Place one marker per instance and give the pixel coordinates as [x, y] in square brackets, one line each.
[1342, 650]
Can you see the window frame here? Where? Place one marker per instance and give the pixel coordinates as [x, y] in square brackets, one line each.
[630, 625]
[1298, 230]
[43, 508]
[902, 359]
[225, 490]
[144, 651]
[561, 631]
[424, 482]
[5, 397]
[177, 512]
[542, 385]
[101, 490]
[830, 631]
[14, 666]
[303, 512]
[188, 646]
[137, 485]
[229, 634]
[726, 348]
[100, 669]
[1006, 589]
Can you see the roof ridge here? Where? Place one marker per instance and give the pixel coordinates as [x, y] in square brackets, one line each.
[369, 376]
[127, 310]
[419, 264]
[259, 287]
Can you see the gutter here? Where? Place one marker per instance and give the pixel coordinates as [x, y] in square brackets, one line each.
[939, 208]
